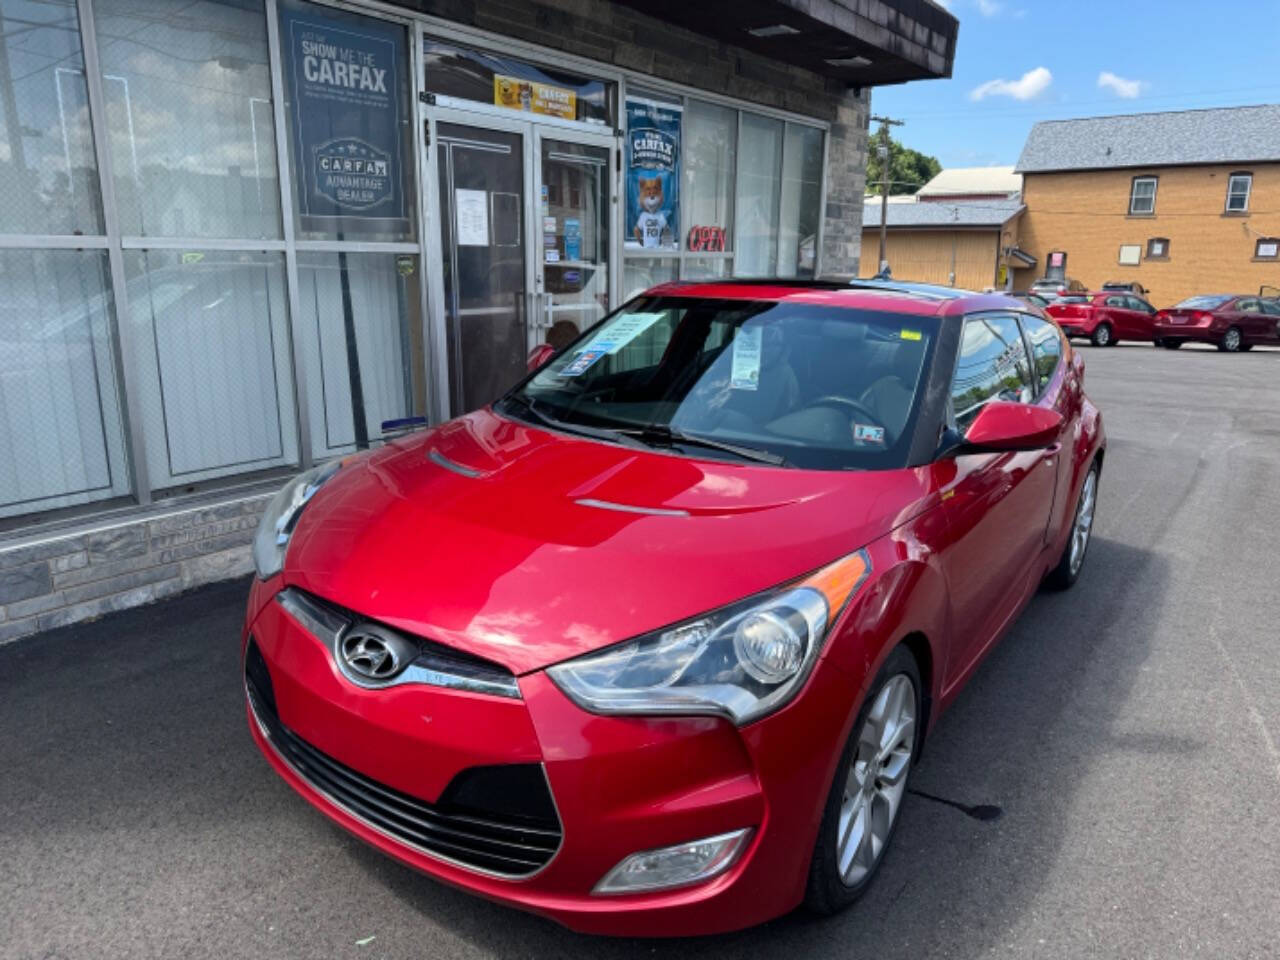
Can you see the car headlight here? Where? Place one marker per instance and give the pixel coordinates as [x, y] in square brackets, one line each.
[740, 661]
[276, 525]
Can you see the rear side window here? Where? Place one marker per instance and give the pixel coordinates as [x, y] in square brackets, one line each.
[992, 365]
[1046, 349]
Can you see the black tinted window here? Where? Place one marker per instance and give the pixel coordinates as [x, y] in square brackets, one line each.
[1046, 349]
[992, 365]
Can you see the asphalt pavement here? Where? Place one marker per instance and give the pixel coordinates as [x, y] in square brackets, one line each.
[1128, 730]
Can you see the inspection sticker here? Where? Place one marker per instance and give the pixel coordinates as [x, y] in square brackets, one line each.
[582, 362]
[910, 334]
[745, 374]
[865, 433]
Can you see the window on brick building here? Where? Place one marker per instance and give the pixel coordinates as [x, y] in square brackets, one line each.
[1267, 248]
[1158, 248]
[1239, 186]
[1142, 196]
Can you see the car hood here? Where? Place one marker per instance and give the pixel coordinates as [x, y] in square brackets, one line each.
[528, 547]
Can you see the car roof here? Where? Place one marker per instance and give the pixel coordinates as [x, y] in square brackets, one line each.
[891, 296]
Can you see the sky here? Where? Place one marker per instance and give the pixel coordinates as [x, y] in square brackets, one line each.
[1021, 61]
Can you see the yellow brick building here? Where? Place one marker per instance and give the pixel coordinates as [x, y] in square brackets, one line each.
[1183, 203]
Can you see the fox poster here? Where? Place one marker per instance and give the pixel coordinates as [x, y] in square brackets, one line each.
[653, 174]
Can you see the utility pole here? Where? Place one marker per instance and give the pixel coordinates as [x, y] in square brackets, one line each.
[882, 151]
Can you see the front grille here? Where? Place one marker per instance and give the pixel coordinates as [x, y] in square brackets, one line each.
[499, 819]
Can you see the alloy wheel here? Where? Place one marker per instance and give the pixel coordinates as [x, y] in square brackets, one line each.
[1231, 340]
[1084, 521]
[877, 780]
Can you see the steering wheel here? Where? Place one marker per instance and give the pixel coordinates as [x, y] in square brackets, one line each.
[836, 401]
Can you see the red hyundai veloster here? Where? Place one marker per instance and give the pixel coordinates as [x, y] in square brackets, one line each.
[650, 645]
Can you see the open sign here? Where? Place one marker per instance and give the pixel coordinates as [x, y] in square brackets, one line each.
[708, 239]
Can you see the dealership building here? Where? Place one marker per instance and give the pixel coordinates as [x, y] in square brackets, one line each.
[237, 237]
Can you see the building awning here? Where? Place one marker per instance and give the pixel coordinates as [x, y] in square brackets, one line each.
[839, 39]
[1024, 258]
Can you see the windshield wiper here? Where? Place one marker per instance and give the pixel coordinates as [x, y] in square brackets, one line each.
[661, 434]
[582, 429]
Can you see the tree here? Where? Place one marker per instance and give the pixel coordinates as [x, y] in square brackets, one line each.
[909, 170]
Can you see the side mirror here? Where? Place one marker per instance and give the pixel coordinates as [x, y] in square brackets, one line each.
[1001, 426]
[539, 355]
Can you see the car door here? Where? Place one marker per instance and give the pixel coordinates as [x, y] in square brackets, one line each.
[1115, 309]
[1142, 316]
[997, 504]
[1056, 389]
[1271, 310]
[1251, 320]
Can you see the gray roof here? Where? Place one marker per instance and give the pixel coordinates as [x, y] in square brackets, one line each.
[933, 213]
[1220, 135]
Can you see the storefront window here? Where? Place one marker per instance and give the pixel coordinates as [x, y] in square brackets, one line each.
[213, 369]
[358, 372]
[710, 154]
[453, 71]
[350, 127]
[759, 183]
[706, 268]
[48, 174]
[801, 198]
[188, 94]
[643, 272]
[61, 441]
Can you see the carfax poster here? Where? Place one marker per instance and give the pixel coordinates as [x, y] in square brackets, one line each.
[653, 174]
[345, 81]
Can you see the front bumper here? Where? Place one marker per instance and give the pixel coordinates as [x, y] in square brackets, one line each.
[620, 784]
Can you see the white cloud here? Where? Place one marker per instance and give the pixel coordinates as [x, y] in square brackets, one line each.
[1027, 87]
[1119, 85]
[989, 8]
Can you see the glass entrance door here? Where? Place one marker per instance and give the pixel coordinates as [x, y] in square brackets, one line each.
[575, 215]
[484, 263]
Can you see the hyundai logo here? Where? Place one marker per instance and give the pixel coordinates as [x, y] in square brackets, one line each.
[372, 654]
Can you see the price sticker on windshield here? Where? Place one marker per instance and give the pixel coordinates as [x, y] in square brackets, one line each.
[745, 374]
[909, 334]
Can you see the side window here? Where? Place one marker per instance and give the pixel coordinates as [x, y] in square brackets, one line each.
[1270, 306]
[1121, 302]
[1247, 306]
[992, 365]
[1141, 306]
[1046, 349]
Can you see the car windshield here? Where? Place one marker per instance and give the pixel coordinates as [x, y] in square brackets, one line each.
[808, 385]
[1202, 303]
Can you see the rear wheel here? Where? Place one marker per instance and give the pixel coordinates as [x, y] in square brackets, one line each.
[1171, 344]
[1231, 341]
[1071, 562]
[1102, 336]
[870, 785]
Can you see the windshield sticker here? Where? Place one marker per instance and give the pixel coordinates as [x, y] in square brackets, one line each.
[910, 334]
[745, 374]
[582, 362]
[622, 331]
[865, 433]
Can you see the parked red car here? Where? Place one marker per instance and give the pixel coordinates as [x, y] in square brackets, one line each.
[650, 645]
[1232, 323]
[1105, 318]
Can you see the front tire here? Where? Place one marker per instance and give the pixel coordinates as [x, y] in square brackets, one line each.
[1065, 574]
[870, 784]
[1231, 341]
[1102, 335]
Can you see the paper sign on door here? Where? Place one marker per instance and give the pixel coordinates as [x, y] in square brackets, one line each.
[471, 210]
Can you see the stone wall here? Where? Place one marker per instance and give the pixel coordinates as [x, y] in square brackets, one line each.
[61, 579]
